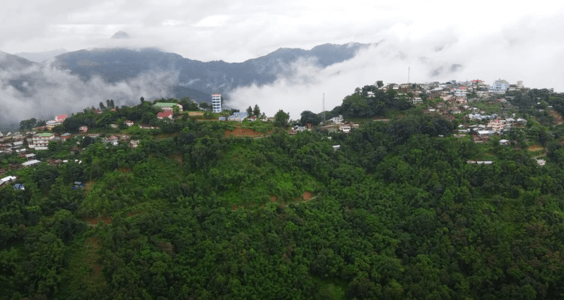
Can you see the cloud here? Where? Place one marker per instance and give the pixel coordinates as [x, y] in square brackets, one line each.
[45, 91]
[516, 52]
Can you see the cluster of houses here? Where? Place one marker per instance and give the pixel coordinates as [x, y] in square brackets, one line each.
[456, 89]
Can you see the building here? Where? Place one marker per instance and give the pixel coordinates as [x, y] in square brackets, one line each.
[460, 91]
[499, 87]
[30, 163]
[7, 180]
[417, 100]
[129, 123]
[168, 106]
[61, 118]
[165, 114]
[41, 141]
[216, 103]
[83, 129]
[238, 116]
[65, 136]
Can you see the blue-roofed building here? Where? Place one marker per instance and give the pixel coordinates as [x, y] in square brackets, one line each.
[238, 116]
[19, 186]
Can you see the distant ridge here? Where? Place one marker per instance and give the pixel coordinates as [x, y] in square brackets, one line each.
[196, 77]
[40, 57]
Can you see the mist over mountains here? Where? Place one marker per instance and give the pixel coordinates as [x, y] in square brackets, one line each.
[194, 78]
[74, 80]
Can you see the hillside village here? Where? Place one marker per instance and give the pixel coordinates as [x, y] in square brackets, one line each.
[396, 178]
[481, 111]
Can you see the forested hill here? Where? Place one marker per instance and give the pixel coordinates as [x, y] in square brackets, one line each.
[205, 77]
[195, 212]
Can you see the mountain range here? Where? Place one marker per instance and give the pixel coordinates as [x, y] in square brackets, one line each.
[192, 78]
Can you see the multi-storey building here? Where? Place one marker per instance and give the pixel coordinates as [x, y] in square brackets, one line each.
[216, 103]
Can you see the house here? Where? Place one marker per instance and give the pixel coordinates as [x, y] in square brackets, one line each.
[83, 129]
[19, 186]
[30, 156]
[504, 142]
[460, 91]
[112, 140]
[134, 143]
[337, 120]
[52, 123]
[252, 118]
[113, 125]
[61, 118]
[221, 118]
[496, 125]
[483, 133]
[129, 123]
[168, 106]
[499, 87]
[417, 100]
[336, 147]
[6, 180]
[345, 128]
[65, 136]
[238, 116]
[165, 114]
[145, 126]
[30, 163]
[541, 162]
[41, 141]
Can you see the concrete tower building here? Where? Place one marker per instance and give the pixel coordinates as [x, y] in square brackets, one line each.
[216, 103]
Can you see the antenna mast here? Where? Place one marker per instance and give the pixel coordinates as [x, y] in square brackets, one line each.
[408, 71]
[323, 108]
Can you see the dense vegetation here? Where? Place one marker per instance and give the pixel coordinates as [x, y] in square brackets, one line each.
[396, 213]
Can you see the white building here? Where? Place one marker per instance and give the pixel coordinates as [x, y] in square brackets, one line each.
[499, 87]
[41, 141]
[216, 103]
[460, 92]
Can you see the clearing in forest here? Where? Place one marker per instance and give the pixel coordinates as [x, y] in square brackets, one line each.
[535, 148]
[243, 132]
[94, 221]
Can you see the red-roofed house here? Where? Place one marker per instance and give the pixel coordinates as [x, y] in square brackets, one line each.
[61, 118]
[165, 114]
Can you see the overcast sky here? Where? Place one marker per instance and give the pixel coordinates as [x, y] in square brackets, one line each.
[239, 30]
[490, 39]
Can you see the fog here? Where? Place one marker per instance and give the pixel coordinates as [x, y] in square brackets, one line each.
[48, 91]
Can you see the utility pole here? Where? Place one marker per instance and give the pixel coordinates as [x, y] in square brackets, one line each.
[408, 73]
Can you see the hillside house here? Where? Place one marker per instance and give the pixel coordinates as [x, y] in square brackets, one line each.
[145, 126]
[238, 116]
[129, 123]
[165, 115]
[65, 136]
[41, 141]
[83, 129]
[345, 128]
[31, 163]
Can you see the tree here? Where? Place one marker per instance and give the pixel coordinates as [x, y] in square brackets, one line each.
[204, 105]
[102, 107]
[256, 111]
[281, 118]
[142, 100]
[27, 124]
[309, 117]
[250, 111]
[379, 84]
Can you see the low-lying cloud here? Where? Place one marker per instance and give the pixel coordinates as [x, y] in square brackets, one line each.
[516, 52]
[44, 91]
